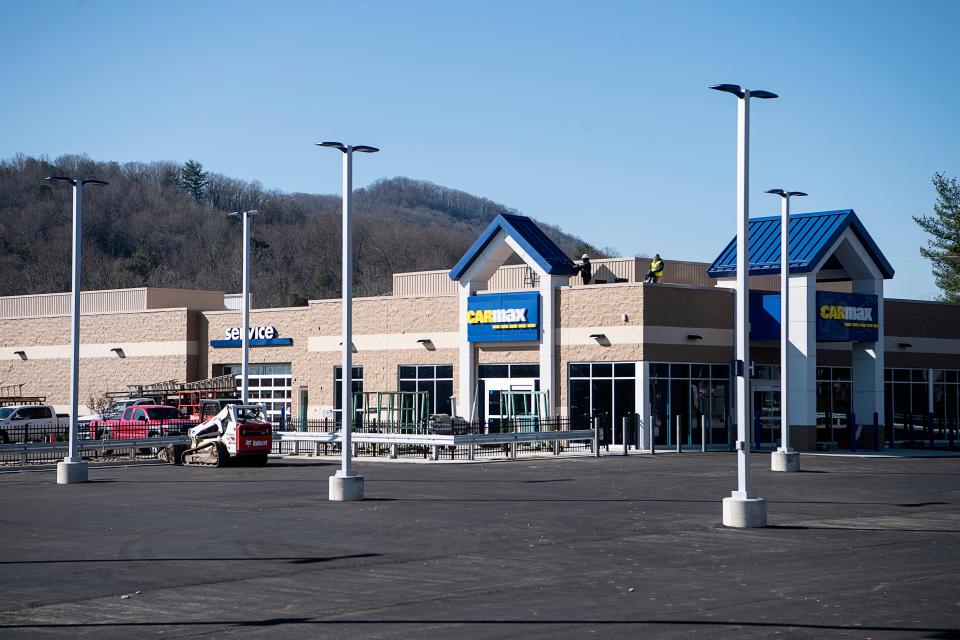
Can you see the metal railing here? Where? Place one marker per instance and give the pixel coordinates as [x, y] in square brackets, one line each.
[449, 439]
[48, 441]
[47, 452]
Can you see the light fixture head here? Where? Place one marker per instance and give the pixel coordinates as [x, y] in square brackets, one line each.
[905, 345]
[735, 89]
[61, 179]
[22, 354]
[362, 148]
[694, 336]
[119, 352]
[334, 145]
[741, 93]
[239, 214]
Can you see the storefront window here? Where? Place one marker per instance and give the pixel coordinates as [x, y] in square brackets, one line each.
[907, 397]
[693, 392]
[436, 380]
[356, 385]
[605, 391]
[508, 371]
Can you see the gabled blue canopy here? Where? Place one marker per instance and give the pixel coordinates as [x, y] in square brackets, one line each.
[528, 235]
[811, 236]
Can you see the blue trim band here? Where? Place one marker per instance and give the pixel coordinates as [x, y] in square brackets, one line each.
[272, 342]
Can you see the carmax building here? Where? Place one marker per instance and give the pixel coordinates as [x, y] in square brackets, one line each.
[614, 348]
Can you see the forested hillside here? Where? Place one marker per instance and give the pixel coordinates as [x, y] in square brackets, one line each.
[161, 224]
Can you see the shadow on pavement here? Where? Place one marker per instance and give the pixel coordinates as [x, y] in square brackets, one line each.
[937, 633]
[291, 560]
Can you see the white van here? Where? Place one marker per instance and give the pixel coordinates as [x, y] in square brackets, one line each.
[29, 423]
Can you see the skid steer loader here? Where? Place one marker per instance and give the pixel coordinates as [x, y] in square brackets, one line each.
[238, 434]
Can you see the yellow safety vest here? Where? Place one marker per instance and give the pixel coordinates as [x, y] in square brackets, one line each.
[657, 268]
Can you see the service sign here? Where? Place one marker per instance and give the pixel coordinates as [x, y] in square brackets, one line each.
[847, 317]
[259, 337]
[503, 317]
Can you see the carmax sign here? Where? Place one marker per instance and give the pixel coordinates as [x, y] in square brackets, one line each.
[503, 317]
[847, 317]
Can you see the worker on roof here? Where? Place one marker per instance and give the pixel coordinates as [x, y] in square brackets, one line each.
[584, 269]
[656, 270]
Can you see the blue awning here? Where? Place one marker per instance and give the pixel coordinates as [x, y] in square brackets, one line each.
[812, 235]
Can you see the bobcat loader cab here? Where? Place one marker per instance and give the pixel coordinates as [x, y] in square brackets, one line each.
[239, 433]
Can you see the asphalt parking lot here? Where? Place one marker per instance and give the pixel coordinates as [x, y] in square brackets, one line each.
[553, 548]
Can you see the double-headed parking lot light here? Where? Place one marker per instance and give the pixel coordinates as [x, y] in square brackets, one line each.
[743, 508]
[245, 330]
[73, 469]
[784, 458]
[346, 485]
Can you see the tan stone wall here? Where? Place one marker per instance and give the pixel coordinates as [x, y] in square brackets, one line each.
[921, 319]
[600, 305]
[50, 377]
[595, 306]
[315, 369]
[685, 306]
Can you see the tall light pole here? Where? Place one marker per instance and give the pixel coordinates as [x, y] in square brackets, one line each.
[73, 469]
[346, 485]
[245, 330]
[743, 508]
[784, 458]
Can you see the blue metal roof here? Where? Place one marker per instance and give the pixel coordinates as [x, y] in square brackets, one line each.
[528, 235]
[811, 236]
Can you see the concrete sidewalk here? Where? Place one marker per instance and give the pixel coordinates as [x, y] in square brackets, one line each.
[609, 547]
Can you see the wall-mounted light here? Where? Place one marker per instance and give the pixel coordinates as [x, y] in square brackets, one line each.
[22, 354]
[427, 344]
[601, 339]
[694, 336]
[119, 352]
[905, 345]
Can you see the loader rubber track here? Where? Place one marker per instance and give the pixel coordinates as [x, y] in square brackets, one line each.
[211, 454]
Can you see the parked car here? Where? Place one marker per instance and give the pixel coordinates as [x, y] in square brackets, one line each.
[142, 421]
[115, 410]
[29, 423]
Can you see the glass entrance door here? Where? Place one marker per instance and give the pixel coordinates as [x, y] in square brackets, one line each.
[495, 411]
[766, 401]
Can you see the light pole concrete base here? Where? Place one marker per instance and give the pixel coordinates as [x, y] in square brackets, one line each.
[71, 472]
[785, 460]
[346, 488]
[744, 513]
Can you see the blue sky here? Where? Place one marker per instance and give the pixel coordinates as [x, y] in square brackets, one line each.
[594, 116]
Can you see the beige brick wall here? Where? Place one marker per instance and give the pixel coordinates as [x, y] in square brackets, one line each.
[684, 306]
[600, 306]
[50, 377]
[315, 369]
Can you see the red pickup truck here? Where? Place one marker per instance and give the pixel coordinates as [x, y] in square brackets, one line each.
[145, 421]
